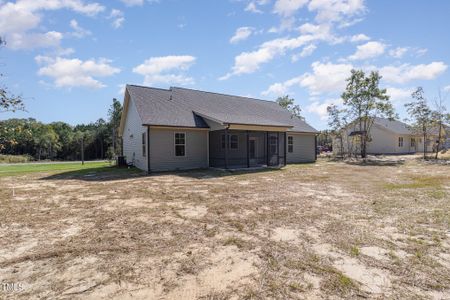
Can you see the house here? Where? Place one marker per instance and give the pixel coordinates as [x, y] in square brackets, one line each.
[386, 137]
[181, 128]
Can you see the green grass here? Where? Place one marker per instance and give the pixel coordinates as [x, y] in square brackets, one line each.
[22, 169]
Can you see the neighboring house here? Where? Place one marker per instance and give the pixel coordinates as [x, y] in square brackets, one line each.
[181, 128]
[386, 137]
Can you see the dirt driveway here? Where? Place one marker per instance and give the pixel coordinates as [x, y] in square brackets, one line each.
[324, 230]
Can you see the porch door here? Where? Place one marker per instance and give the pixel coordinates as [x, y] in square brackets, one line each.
[273, 149]
[252, 148]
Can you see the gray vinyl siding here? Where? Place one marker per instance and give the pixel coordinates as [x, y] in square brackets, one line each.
[304, 148]
[162, 150]
[132, 138]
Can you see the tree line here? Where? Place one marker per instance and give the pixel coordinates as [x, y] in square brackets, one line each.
[62, 141]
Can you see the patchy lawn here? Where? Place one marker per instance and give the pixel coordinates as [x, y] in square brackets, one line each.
[307, 231]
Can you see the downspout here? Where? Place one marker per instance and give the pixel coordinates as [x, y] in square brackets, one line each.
[285, 145]
[226, 146]
[315, 147]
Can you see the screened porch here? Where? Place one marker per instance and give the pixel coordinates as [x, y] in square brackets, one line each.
[233, 149]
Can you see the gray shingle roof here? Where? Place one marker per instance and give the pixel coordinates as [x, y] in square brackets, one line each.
[394, 126]
[182, 107]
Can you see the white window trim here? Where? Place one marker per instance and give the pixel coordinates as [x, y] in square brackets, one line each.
[290, 137]
[144, 144]
[175, 143]
[400, 145]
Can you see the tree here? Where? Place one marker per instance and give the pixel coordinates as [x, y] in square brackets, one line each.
[288, 103]
[45, 139]
[420, 113]
[115, 114]
[439, 117]
[9, 102]
[65, 136]
[364, 101]
[337, 122]
[84, 138]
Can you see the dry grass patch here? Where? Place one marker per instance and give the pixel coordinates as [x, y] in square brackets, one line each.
[324, 230]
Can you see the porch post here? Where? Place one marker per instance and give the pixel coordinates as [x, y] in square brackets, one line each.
[285, 145]
[267, 148]
[248, 151]
[226, 148]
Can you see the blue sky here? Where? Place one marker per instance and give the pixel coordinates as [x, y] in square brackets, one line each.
[69, 58]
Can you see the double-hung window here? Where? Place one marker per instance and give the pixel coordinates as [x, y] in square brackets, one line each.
[180, 144]
[290, 144]
[400, 141]
[233, 141]
[144, 153]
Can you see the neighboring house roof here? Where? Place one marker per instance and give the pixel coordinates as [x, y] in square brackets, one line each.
[186, 108]
[394, 126]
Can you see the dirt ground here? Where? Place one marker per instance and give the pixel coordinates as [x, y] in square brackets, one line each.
[315, 231]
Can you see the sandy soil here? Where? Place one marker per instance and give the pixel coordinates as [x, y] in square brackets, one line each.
[317, 231]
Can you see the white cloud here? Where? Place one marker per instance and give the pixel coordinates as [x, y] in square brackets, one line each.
[399, 95]
[307, 51]
[288, 7]
[137, 2]
[368, 50]
[282, 88]
[79, 31]
[287, 23]
[166, 69]
[421, 52]
[398, 52]
[34, 40]
[320, 108]
[406, 72]
[133, 2]
[118, 18]
[121, 90]
[339, 11]
[241, 34]
[252, 6]
[359, 38]
[447, 88]
[18, 18]
[73, 72]
[326, 78]
[249, 62]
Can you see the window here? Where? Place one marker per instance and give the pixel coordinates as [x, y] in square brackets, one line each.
[180, 144]
[400, 141]
[144, 153]
[290, 144]
[223, 141]
[233, 141]
[413, 142]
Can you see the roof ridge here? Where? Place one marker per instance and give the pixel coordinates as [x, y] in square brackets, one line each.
[149, 87]
[222, 94]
